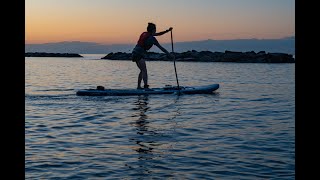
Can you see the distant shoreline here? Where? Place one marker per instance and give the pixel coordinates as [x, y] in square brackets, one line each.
[43, 54]
[281, 45]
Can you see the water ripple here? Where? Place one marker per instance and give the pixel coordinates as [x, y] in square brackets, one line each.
[243, 131]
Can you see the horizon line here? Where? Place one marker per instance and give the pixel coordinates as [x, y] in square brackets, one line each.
[286, 37]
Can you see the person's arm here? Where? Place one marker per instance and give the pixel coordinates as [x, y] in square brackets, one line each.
[163, 49]
[160, 47]
[163, 32]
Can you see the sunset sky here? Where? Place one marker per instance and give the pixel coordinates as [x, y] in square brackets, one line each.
[122, 21]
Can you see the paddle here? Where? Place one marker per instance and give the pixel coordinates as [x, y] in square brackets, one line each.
[174, 62]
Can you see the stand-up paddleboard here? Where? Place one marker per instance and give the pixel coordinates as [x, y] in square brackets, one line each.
[100, 91]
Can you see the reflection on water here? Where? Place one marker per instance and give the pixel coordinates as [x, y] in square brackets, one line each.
[142, 143]
[142, 123]
[143, 147]
[141, 107]
[151, 144]
[243, 131]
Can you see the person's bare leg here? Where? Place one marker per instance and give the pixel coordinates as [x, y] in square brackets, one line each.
[139, 76]
[143, 72]
[139, 79]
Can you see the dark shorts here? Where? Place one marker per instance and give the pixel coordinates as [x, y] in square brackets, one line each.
[136, 57]
[138, 53]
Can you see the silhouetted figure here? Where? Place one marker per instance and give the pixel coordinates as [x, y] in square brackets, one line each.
[145, 42]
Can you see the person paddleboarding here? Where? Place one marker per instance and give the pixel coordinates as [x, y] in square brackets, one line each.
[145, 42]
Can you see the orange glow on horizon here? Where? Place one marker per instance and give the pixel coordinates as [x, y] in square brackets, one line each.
[115, 22]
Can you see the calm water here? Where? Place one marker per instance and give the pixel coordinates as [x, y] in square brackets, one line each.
[246, 130]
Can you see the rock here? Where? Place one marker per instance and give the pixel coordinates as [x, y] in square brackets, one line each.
[109, 56]
[205, 58]
[208, 56]
[261, 52]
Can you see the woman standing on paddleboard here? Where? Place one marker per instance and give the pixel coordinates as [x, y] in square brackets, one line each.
[145, 42]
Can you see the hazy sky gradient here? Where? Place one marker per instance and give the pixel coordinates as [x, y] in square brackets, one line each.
[122, 21]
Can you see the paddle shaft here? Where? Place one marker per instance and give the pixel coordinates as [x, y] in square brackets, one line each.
[174, 62]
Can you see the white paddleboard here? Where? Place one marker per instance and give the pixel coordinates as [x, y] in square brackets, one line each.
[207, 89]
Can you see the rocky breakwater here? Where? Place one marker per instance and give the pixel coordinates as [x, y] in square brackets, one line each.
[42, 54]
[208, 56]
